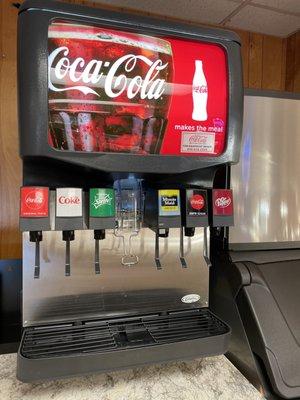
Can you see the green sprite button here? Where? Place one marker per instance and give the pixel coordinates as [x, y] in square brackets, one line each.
[102, 203]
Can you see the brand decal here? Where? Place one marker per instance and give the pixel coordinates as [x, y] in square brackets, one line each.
[190, 298]
[62, 69]
[200, 89]
[198, 142]
[69, 200]
[196, 205]
[169, 201]
[223, 202]
[102, 199]
[197, 201]
[34, 202]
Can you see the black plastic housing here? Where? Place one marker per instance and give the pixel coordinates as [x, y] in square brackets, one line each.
[257, 293]
[34, 19]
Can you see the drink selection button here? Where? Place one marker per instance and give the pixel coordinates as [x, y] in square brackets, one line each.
[69, 202]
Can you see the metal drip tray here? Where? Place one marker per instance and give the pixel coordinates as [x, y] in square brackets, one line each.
[63, 350]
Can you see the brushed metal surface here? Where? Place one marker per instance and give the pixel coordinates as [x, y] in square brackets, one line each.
[117, 289]
[266, 181]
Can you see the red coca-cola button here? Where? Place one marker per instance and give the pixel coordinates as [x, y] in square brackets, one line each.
[197, 202]
[34, 202]
[222, 202]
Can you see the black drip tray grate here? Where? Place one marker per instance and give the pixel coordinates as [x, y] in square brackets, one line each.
[66, 340]
[116, 334]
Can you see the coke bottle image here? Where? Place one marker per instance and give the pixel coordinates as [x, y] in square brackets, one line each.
[200, 93]
[108, 89]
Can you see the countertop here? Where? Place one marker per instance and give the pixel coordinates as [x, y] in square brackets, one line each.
[203, 379]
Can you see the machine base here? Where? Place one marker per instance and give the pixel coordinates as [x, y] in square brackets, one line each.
[98, 346]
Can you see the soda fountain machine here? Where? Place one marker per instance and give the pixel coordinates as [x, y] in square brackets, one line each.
[128, 128]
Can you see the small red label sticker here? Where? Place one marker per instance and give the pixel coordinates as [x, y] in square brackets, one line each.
[34, 202]
[222, 202]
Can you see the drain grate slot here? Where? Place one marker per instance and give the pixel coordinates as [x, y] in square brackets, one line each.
[117, 334]
[185, 327]
[44, 342]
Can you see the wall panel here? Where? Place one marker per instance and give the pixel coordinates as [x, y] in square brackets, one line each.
[10, 165]
[255, 61]
[293, 63]
[272, 62]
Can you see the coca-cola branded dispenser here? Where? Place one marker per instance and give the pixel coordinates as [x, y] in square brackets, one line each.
[35, 217]
[128, 127]
[68, 218]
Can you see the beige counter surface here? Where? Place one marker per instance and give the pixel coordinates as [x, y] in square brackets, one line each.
[203, 379]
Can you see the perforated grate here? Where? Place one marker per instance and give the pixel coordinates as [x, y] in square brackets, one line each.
[116, 334]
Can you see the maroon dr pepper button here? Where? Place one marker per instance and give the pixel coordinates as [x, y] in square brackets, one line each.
[222, 200]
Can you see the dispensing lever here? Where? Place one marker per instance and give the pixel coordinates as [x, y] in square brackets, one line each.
[68, 236]
[99, 234]
[37, 260]
[36, 237]
[181, 249]
[157, 259]
[97, 257]
[206, 247]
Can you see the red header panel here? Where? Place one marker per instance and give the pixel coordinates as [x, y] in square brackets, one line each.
[115, 91]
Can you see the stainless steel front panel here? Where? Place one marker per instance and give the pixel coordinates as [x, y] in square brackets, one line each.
[118, 289]
[266, 182]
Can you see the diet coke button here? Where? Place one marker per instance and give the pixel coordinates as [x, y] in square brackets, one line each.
[69, 202]
[34, 202]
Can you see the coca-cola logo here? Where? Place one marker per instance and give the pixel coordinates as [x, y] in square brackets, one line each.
[62, 70]
[197, 139]
[200, 89]
[197, 201]
[69, 200]
[35, 200]
[223, 202]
